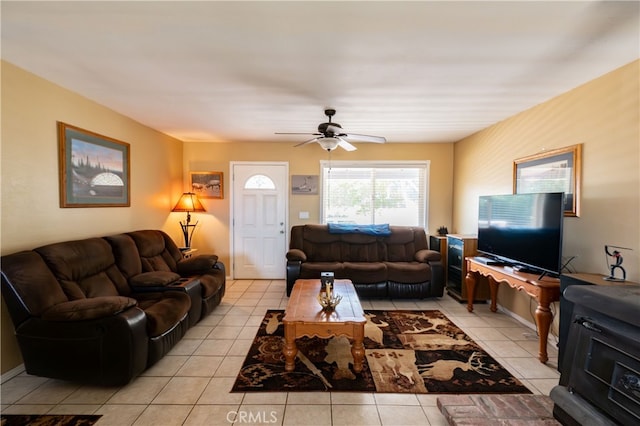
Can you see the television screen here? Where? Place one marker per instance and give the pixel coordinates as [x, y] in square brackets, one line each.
[523, 230]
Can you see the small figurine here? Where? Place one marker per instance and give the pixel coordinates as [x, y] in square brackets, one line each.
[615, 255]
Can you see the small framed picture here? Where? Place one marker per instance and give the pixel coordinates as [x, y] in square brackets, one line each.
[304, 184]
[207, 184]
[94, 169]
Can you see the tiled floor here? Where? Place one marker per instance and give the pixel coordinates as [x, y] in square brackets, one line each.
[191, 384]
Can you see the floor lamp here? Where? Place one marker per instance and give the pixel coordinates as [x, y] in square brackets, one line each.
[188, 202]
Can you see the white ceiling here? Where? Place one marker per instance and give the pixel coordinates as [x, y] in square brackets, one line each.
[240, 71]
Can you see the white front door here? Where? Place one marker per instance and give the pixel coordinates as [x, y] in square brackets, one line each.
[259, 212]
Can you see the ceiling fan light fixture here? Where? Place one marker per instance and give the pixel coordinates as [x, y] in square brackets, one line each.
[329, 144]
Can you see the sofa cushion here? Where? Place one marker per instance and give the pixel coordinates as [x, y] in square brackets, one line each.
[126, 254]
[25, 268]
[408, 272]
[85, 268]
[364, 272]
[163, 310]
[404, 242]
[88, 309]
[157, 251]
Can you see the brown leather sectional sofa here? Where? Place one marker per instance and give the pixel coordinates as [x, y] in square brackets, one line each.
[398, 265]
[102, 310]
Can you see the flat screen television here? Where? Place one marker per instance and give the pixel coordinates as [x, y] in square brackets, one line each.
[523, 230]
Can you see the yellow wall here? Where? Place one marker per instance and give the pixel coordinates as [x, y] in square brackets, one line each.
[31, 215]
[603, 115]
[213, 232]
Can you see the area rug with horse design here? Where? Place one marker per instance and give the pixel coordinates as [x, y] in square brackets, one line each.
[406, 352]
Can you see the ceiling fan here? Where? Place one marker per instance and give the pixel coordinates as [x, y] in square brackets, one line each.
[331, 135]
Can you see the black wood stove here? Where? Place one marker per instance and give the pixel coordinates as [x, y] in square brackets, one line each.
[600, 372]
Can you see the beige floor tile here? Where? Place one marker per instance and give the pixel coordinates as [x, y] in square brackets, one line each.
[225, 332]
[354, 415]
[396, 399]
[320, 398]
[165, 415]
[182, 390]
[50, 392]
[504, 348]
[469, 321]
[200, 366]
[166, 366]
[477, 333]
[233, 321]
[119, 414]
[218, 392]
[214, 347]
[212, 319]
[28, 409]
[74, 409]
[198, 332]
[185, 347]
[427, 400]
[242, 310]
[19, 386]
[357, 398]
[531, 368]
[434, 416]
[205, 415]
[91, 395]
[140, 391]
[402, 415]
[308, 415]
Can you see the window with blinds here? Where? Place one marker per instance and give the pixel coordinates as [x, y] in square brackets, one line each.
[375, 192]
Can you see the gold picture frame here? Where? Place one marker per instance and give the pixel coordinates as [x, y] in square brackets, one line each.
[557, 170]
[94, 170]
[208, 184]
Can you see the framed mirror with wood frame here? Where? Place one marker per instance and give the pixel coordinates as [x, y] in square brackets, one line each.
[557, 170]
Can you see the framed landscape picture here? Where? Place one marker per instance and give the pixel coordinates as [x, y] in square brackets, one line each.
[94, 169]
[207, 184]
[557, 170]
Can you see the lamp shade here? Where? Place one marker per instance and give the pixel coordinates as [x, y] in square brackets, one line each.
[189, 202]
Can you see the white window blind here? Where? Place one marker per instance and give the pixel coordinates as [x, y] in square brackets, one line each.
[375, 192]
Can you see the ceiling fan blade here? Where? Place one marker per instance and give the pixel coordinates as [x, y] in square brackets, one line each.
[346, 145]
[296, 133]
[306, 142]
[364, 138]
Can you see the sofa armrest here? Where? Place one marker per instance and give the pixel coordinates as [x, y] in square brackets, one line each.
[88, 309]
[105, 351]
[296, 255]
[427, 256]
[153, 279]
[197, 265]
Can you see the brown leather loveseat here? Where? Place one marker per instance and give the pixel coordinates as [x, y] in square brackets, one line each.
[102, 310]
[396, 265]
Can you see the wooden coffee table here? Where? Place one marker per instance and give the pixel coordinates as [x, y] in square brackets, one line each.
[304, 317]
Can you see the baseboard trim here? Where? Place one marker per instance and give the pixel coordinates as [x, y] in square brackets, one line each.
[8, 375]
